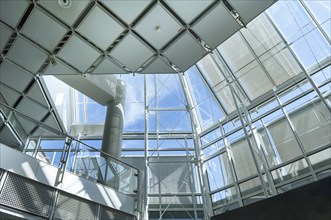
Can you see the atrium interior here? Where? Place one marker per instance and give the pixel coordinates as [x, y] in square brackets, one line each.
[224, 103]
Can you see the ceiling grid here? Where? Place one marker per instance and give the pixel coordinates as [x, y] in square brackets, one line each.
[100, 37]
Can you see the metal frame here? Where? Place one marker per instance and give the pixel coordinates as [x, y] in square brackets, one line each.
[198, 160]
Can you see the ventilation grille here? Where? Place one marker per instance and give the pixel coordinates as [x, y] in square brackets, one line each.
[27, 195]
[69, 207]
[110, 214]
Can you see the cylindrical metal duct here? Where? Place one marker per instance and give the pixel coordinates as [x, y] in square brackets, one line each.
[113, 130]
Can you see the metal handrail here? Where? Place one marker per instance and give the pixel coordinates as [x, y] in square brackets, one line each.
[53, 130]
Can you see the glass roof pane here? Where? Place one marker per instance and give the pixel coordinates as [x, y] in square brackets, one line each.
[79, 108]
[219, 172]
[320, 9]
[312, 49]
[60, 94]
[87, 110]
[96, 113]
[270, 49]
[134, 103]
[255, 82]
[211, 136]
[165, 91]
[300, 31]
[236, 52]
[169, 121]
[327, 28]
[291, 18]
[207, 109]
[224, 94]
[282, 66]
[260, 35]
[322, 76]
[209, 68]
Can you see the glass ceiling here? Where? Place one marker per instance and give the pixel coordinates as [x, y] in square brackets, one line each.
[255, 60]
[249, 120]
[249, 110]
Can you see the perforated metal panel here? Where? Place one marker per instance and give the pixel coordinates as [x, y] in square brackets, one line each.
[110, 214]
[70, 207]
[27, 195]
[1, 173]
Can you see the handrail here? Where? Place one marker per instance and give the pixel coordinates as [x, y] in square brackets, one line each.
[64, 134]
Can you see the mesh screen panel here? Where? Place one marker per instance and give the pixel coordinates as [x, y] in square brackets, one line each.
[111, 214]
[27, 195]
[69, 207]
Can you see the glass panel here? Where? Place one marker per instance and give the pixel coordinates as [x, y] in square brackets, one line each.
[255, 81]
[132, 154]
[321, 159]
[326, 90]
[294, 91]
[254, 199]
[313, 125]
[211, 136]
[231, 125]
[92, 164]
[210, 69]
[261, 36]
[213, 148]
[321, 11]
[290, 171]
[322, 76]
[167, 93]
[133, 144]
[224, 197]
[176, 202]
[263, 108]
[207, 108]
[284, 140]
[227, 208]
[235, 136]
[219, 172]
[250, 187]
[59, 92]
[312, 49]
[291, 19]
[169, 177]
[134, 115]
[243, 160]
[31, 147]
[295, 105]
[170, 121]
[87, 162]
[225, 95]
[95, 113]
[295, 184]
[235, 52]
[167, 144]
[300, 32]
[269, 148]
[79, 108]
[50, 151]
[268, 119]
[281, 66]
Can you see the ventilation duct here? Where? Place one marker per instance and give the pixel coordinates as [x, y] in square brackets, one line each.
[113, 129]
